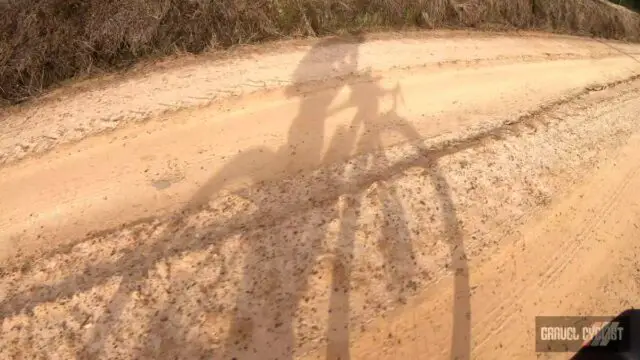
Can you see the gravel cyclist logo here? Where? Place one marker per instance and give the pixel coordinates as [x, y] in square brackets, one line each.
[568, 334]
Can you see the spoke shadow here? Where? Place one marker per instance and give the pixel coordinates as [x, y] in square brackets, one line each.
[461, 331]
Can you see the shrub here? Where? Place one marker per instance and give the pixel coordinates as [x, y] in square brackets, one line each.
[43, 42]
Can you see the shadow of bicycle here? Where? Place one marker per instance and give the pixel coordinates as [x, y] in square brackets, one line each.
[299, 219]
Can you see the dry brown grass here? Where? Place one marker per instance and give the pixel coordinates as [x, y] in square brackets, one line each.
[43, 42]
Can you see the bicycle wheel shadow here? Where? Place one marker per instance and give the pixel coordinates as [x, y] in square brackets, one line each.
[282, 238]
[398, 255]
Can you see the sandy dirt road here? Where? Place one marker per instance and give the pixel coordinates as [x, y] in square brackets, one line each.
[422, 195]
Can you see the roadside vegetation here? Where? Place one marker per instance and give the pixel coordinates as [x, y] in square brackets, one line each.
[44, 42]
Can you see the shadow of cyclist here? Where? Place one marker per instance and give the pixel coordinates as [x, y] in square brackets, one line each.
[276, 268]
